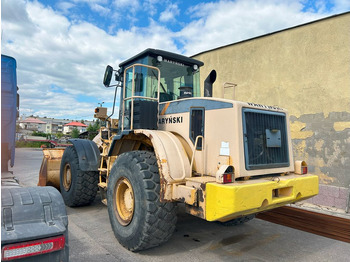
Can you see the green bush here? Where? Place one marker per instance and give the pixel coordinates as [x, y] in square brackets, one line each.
[37, 133]
[42, 134]
[32, 144]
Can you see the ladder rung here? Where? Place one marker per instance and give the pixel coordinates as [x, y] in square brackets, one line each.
[102, 185]
[103, 170]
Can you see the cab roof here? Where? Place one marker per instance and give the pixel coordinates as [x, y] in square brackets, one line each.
[165, 54]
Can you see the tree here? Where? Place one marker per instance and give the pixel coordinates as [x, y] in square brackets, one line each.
[93, 130]
[75, 133]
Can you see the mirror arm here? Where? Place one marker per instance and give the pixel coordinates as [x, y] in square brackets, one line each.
[115, 95]
[119, 80]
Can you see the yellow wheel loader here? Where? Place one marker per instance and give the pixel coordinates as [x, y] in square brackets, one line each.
[225, 160]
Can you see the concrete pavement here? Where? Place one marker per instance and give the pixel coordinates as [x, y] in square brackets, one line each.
[91, 237]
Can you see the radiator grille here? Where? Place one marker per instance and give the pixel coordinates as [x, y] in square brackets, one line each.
[258, 125]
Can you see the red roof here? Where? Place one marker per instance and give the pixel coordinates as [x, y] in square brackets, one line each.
[33, 121]
[76, 124]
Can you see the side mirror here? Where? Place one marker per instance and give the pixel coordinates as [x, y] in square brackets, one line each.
[108, 76]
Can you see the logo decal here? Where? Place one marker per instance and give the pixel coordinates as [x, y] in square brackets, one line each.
[170, 120]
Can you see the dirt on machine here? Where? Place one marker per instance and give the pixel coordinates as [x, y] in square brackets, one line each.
[225, 160]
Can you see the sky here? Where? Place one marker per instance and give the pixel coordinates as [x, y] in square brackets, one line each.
[62, 47]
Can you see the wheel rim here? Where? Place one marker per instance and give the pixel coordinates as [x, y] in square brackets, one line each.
[124, 203]
[67, 177]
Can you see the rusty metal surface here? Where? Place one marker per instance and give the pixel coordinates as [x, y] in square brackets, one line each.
[317, 223]
[49, 174]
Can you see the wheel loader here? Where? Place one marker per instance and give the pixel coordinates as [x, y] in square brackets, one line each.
[223, 159]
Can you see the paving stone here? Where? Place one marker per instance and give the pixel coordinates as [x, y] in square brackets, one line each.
[343, 193]
[340, 203]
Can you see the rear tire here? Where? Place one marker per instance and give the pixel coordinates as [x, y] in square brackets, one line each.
[78, 188]
[238, 221]
[139, 220]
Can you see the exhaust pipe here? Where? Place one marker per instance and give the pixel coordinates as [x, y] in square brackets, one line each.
[208, 84]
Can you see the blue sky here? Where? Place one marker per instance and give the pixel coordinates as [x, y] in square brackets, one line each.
[63, 46]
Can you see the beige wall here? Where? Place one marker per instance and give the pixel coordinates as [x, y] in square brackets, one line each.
[306, 70]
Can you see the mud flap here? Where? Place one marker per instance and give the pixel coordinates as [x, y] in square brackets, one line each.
[88, 154]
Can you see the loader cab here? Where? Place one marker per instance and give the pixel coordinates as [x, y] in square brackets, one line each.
[152, 77]
[179, 75]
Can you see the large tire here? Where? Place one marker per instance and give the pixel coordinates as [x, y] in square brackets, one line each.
[139, 220]
[78, 188]
[238, 221]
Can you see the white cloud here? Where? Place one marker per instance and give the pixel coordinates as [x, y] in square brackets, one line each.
[103, 11]
[91, 1]
[61, 62]
[64, 7]
[170, 13]
[151, 6]
[57, 52]
[51, 50]
[98, 6]
[131, 6]
[226, 22]
[18, 19]
[341, 6]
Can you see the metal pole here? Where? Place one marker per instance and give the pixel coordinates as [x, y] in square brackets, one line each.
[348, 202]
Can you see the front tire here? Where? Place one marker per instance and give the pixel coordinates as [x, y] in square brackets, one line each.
[139, 220]
[78, 188]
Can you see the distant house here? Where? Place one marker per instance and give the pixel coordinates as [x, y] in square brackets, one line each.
[67, 128]
[54, 126]
[33, 124]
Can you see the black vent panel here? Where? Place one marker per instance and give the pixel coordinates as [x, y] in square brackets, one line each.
[145, 114]
[265, 139]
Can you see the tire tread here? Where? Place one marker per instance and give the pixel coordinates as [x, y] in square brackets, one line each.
[160, 219]
[85, 188]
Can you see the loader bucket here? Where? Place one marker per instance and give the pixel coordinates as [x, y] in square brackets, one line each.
[49, 174]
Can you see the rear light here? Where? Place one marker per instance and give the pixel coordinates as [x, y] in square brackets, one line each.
[225, 174]
[227, 178]
[304, 169]
[300, 167]
[32, 248]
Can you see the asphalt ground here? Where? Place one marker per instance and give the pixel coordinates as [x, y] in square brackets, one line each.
[91, 237]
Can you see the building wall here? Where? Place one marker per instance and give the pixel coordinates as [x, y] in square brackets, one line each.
[48, 128]
[69, 129]
[306, 70]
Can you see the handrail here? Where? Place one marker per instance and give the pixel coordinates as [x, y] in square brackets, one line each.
[194, 151]
[132, 97]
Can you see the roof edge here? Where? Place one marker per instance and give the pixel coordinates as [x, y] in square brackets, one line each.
[166, 54]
